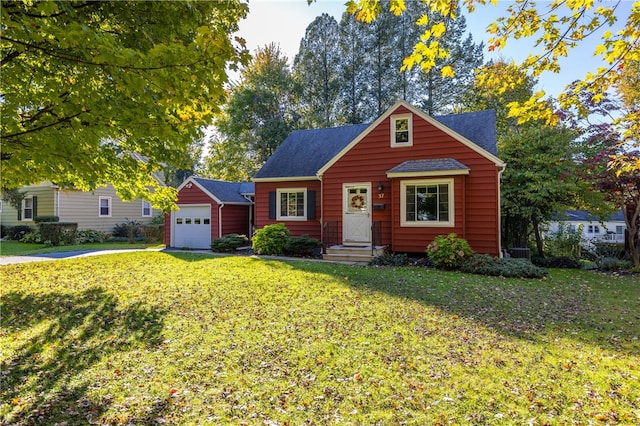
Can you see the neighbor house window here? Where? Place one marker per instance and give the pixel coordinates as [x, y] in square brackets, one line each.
[104, 207]
[27, 208]
[146, 209]
[291, 204]
[427, 203]
[593, 229]
[401, 130]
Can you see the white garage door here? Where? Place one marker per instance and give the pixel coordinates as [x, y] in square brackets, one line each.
[192, 227]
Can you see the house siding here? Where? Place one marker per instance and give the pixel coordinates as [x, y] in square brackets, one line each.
[45, 194]
[83, 208]
[312, 227]
[235, 220]
[476, 194]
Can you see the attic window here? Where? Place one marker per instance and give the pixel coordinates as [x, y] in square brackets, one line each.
[401, 130]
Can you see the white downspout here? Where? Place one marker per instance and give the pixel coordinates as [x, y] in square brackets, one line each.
[500, 210]
[220, 220]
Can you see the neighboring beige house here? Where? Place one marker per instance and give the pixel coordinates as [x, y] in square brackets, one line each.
[99, 210]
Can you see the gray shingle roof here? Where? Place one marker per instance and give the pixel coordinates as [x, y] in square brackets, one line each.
[585, 216]
[227, 192]
[304, 152]
[431, 165]
[479, 127]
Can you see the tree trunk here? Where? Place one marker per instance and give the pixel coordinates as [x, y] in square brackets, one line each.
[631, 215]
[536, 230]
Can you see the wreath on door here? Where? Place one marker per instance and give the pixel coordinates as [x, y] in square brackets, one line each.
[357, 202]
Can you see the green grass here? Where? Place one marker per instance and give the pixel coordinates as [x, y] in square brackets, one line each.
[16, 248]
[182, 338]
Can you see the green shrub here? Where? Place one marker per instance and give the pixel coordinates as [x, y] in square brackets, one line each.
[271, 239]
[483, 264]
[88, 236]
[39, 219]
[130, 229]
[302, 246]
[566, 243]
[152, 233]
[58, 233]
[16, 233]
[448, 252]
[609, 250]
[390, 259]
[557, 262]
[229, 243]
[612, 264]
[32, 238]
[157, 220]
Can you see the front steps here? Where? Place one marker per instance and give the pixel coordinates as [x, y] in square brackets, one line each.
[351, 254]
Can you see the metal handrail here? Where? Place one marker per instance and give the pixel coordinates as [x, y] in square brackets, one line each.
[376, 236]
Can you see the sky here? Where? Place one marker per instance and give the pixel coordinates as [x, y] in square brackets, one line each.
[285, 21]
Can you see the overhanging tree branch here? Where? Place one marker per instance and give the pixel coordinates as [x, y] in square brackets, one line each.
[57, 55]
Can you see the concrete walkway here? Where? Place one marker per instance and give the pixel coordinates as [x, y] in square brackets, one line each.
[9, 260]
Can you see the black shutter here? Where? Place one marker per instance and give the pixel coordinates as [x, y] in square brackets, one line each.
[34, 204]
[311, 204]
[20, 211]
[272, 205]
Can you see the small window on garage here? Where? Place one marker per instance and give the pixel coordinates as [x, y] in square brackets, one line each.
[206, 221]
[187, 221]
[178, 221]
[196, 221]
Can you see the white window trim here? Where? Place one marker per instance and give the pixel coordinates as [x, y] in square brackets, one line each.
[150, 209]
[395, 118]
[426, 224]
[100, 204]
[23, 216]
[278, 205]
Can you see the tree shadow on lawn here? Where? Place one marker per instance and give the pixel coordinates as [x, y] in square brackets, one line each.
[603, 314]
[42, 381]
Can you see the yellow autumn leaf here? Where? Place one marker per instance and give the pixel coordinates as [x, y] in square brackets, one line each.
[447, 71]
[438, 29]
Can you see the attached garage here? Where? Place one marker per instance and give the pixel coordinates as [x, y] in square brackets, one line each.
[209, 209]
[192, 226]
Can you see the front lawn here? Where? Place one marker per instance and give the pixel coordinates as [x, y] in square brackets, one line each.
[182, 338]
[17, 248]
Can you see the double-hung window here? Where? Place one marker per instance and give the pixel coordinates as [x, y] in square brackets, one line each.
[27, 208]
[146, 209]
[291, 204]
[427, 203]
[401, 130]
[104, 207]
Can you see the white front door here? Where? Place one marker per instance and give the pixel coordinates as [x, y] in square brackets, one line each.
[356, 218]
[192, 227]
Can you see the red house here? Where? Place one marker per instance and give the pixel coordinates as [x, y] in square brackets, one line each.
[396, 183]
[209, 209]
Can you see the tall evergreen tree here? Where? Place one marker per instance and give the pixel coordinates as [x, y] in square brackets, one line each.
[352, 103]
[316, 67]
[382, 62]
[442, 95]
